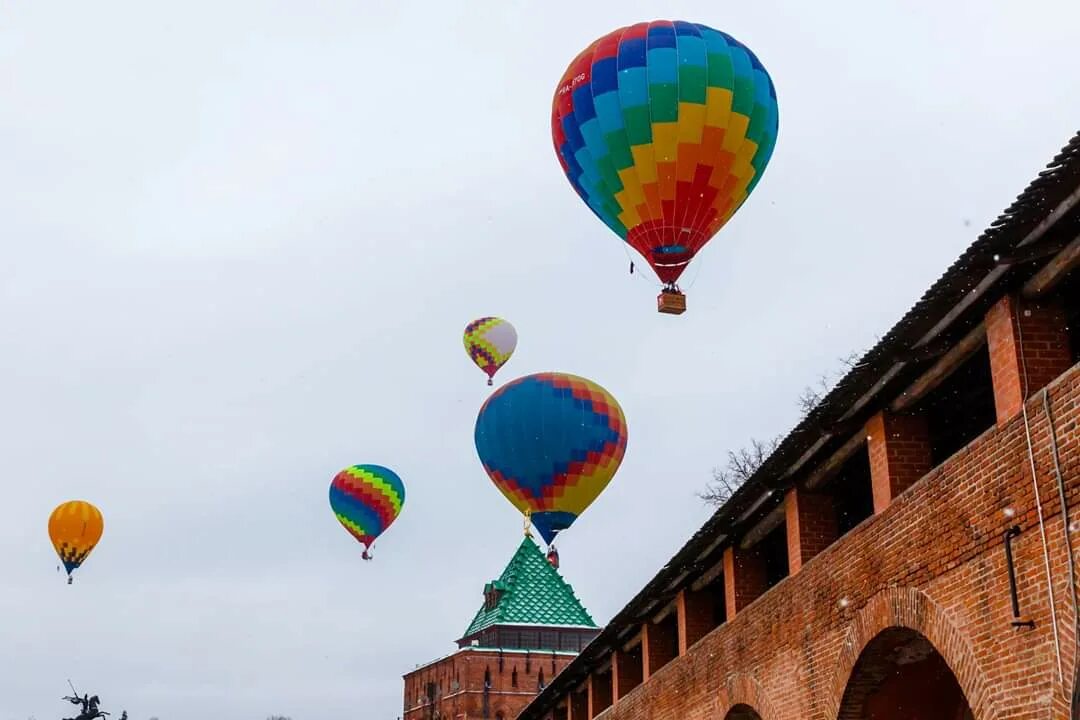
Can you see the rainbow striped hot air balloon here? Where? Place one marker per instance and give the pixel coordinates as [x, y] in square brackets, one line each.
[75, 527]
[664, 129]
[490, 341]
[551, 442]
[366, 499]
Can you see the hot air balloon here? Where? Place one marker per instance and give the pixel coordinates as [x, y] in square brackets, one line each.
[490, 341]
[551, 442]
[664, 129]
[366, 499]
[75, 528]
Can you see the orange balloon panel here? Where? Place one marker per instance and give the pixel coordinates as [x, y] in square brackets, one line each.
[75, 527]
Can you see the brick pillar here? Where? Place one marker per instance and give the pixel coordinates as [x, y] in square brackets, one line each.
[600, 693]
[579, 705]
[626, 673]
[1045, 350]
[695, 615]
[811, 525]
[659, 646]
[899, 454]
[744, 578]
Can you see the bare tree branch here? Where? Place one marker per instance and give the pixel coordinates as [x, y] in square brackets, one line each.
[744, 462]
[741, 465]
[812, 395]
[851, 360]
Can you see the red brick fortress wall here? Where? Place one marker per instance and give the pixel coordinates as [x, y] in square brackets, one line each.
[931, 559]
[459, 683]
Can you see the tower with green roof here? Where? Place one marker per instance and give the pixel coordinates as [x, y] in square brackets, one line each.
[530, 607]
[529, 627]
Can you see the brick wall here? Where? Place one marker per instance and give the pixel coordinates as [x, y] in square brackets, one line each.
[899, 447]
[1046, 353]
[745, 571]
[694, 613]
[811, 521]
[459, 681]
[930, 560]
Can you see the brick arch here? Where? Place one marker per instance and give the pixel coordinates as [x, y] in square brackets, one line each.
[912, 609]
[744, 689]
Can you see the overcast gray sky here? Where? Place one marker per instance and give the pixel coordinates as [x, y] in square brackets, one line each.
[241, 241]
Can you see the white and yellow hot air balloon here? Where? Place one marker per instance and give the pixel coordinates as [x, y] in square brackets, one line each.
[490, 341]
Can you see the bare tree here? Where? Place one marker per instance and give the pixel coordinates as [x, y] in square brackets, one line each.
[744, 462]
[812, 395]
[741, 465]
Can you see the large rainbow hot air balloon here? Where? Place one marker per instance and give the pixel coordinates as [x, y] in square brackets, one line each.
[75, 527]
[551, 442]
[664, 129]
[490, 341]
[366, 499]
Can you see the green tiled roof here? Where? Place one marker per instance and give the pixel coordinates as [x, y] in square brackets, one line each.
[533, 593]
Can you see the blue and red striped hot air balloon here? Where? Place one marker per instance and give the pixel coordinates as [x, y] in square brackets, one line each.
[366, 499]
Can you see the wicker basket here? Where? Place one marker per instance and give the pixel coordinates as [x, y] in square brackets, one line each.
[671, 303]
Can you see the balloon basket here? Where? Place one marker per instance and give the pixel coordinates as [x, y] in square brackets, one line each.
[671, 302]
[69, 581]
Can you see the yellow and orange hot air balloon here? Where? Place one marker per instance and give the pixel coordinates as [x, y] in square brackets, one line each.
[75, 527]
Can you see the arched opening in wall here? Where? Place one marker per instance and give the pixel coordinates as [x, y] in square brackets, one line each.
[742, 712]
[901, 675]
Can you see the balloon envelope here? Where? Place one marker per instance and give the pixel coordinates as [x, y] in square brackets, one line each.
[490, 341]
[366, 499]
[551, 442]
[664, 129]
[75, 527]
